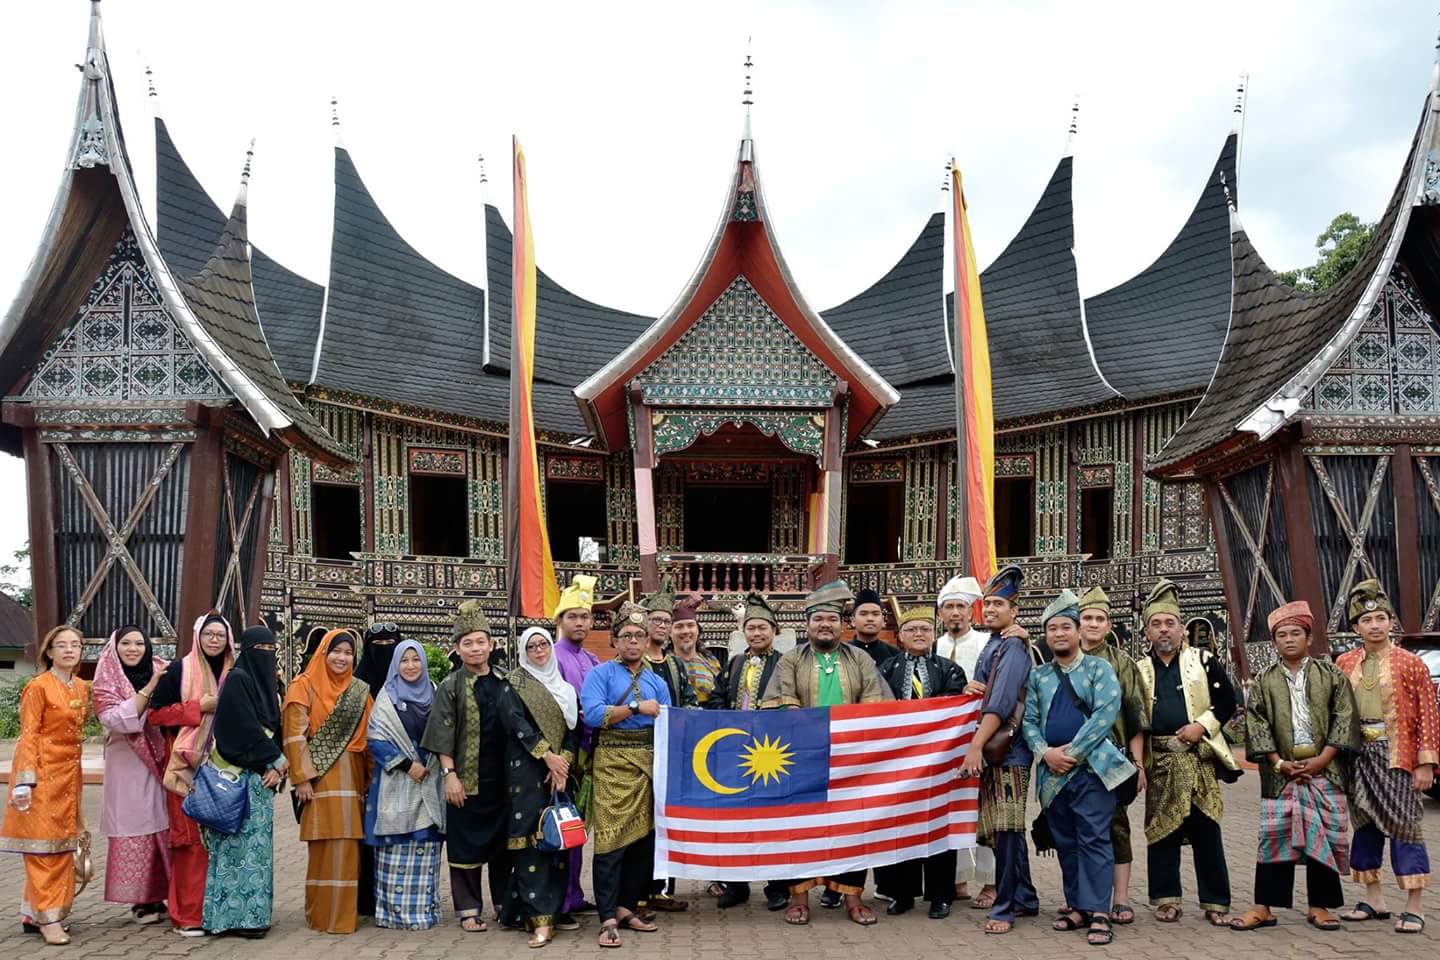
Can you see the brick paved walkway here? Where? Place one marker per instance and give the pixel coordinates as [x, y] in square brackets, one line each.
[749, 933]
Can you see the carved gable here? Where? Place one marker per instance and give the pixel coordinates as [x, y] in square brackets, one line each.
[738, 353]
[123, 344]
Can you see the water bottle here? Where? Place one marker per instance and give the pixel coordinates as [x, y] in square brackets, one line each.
[20, 797]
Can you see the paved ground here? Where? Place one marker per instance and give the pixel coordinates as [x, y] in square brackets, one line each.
[750, 933]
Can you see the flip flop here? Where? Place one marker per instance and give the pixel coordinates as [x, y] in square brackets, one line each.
[1408, 917]
[983, 901]
[1170, 913]
[609, 935]
[1217, 919]
[798, 914]
[994, 927]
[1366, 912]
[638, 923]
[1118, 914]
[480, 927]
[862, 915]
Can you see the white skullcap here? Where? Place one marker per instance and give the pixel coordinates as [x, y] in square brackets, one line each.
[959, 588]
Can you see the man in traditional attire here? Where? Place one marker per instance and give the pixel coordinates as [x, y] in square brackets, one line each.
[740, 688]
[868, 619]
[685, 672]
[960, 643]
[1071, 705]
[1401, 731]
[826, 673]
[1098, 640]
[573, 620]
[1000, 677]
[1187, 700]
[662, 611]
[1301, 728]
[915, 673]
[620, 701]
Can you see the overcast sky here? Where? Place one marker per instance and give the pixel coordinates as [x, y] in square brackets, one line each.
[629, 115]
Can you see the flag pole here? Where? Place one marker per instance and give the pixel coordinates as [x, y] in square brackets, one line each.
[962, 514]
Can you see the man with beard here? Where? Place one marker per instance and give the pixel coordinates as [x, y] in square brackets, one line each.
[915, 674]
[826, 673]
[681, 624]
[1188, 699]
[1097, 640]
[868, 619]
[573, 619]
[1071, 705]
[739, 688]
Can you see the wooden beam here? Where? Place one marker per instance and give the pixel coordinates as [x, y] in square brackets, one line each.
[942, 504]
[367, 477]
[44, 577]
[262, 551]
[643, 463]
[202, 519]
[1137, 485]
[1293, 491]
[1072, 488]
[1407, 538]
[1238, 656]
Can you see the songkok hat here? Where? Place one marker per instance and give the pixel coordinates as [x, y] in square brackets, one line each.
[1163, 599]
[868, 596]
[1295, 612]
[579, 595]
[1095, 599]
[1367, 596]
[687, 609]
[1065, 605]
[912, 614]
[758, 608]
[662, 599]
[1005, 584]
[833, 597]
[469, 618]
[629, 612]
[964, 589]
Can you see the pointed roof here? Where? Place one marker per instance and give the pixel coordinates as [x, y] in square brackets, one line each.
[1280, 340]
[188, 221]
[1160, 332]
[96, 199]
[396, 326]
[743, 246]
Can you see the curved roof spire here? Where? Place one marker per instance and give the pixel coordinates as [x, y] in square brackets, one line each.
[748, 99]
[1074, 127]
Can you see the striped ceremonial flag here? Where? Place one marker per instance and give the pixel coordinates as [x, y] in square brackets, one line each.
[780, 794]
[533, 590]
[974, 409]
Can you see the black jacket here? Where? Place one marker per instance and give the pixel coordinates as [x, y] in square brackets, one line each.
[727, 689]
[947, 679]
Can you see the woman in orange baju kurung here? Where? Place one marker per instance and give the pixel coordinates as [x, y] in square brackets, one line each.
[43, 820]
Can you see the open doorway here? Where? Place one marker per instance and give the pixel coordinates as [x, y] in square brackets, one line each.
[733, 518]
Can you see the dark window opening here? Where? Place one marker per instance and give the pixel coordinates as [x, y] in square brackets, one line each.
[575, 521]
[874, 517]
[335, 521]
[1014, 516]
[439, 516]
[1097, 522]
[727, 519]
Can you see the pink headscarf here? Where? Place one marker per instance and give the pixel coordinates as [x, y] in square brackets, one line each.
[112, 688]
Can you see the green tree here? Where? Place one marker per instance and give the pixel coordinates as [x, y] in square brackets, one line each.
[1341, 246]
[10, 584]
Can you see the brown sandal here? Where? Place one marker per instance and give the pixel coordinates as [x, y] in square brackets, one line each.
[609, 934]
[1170, 913]
[998, 927]
[633, 921]
[1250, 920]
[1217, 919]
[861, 914]
[480, 925]
[798, 914]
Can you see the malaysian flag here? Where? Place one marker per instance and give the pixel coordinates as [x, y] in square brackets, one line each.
[779, 794]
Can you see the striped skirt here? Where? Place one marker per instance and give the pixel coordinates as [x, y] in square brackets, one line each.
[1383, 795]
[407, 885]
[332, 886]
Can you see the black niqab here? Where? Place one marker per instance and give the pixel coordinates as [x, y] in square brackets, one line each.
[247, 718]
[374, 665]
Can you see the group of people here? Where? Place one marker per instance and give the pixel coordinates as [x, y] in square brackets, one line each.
[387, 767]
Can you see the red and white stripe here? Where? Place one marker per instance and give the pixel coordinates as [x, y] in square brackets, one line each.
[895, 794]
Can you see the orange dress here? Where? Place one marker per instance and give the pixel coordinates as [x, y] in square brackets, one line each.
[47, 756]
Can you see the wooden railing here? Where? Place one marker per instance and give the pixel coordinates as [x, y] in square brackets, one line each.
[739, 573]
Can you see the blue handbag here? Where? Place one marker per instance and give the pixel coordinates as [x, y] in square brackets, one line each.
[561, 827]
[218, 799]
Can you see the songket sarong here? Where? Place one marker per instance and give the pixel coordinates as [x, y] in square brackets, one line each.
[1384, 795]
[137, 869]
[1306, 820]
[622, 805]
[1176, 782]
[1002, 802]
[240, 879]
[407, 885]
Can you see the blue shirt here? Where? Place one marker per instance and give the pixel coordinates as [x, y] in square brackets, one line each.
[612, 685]
[1003, 667]
[1098, 688]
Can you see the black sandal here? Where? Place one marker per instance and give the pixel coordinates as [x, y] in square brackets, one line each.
[1366, 912]
[1408, 917]
[1100, 933]
[1067, 922]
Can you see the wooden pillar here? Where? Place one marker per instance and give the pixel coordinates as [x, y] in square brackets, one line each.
[1292, 489]
[44, 577]
[942, 506]
[832, 487]
[1238, 656]
[367, 480]
[1137, 484]
[1407, 539]
[644, 465]
[202, 518]
[1072, 489]
[256, 574]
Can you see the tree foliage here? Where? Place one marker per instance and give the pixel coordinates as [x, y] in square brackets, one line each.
[1341, 246]
[10, 577]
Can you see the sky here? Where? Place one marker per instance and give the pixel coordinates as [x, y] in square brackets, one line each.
[629, 115]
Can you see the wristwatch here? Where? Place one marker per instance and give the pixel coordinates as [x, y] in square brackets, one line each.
[634, 706]
[446, 771]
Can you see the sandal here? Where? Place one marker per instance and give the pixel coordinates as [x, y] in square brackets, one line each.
[538, 940]
[1363, 911]
[1122, 914]
[480, 926]
[1217, 919]
[983, 901]
[1323, 920]
[1100, 934]
[861, 914]
[998, 927]
[715, 888]
[1169, 913]
[609, 934]
[1074, 920]
[1410, 918]
[798, 914]
[639, 924]
[1251, 920]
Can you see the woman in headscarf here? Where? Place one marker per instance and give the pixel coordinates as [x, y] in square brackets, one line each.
[133, 817]
[43, 819]
[240, 884]
[373, 667]
[540, 714]
[405, 808]
[182, 707]
[326, 712]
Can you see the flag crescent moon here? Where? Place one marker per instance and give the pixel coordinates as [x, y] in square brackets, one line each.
[700, 761]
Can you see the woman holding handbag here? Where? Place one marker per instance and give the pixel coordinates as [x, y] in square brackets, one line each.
[240, 881]
[325, 716]
[540, 714]
[405, 808]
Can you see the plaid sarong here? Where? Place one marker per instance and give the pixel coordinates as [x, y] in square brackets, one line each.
[1306, 820]
[407, 895]
[1385, 795]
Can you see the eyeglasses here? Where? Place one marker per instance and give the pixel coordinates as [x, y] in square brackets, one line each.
[215, 634]
[384, 628]
[537, 645]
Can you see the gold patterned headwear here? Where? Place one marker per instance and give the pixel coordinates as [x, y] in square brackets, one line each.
[758, 608]
[1367, 596]
[1164, 598]
[580, 594]
[629, 613]
[469, 618]
[1095, 599]
[913, 614]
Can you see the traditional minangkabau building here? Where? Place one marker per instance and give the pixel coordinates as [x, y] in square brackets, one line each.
[740, 440]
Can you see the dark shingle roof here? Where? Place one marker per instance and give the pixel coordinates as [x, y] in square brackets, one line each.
[574, 337]
[896, 324]
[925, 408]
[1160, 332]
[1275, 331]
[397, 326]
[188, 222]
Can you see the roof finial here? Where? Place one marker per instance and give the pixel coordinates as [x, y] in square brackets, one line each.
[242, 196]
[150, 81]
[749, 98]
[1239, 114]
[481, 159]
[1074, 125]
[335, 119]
